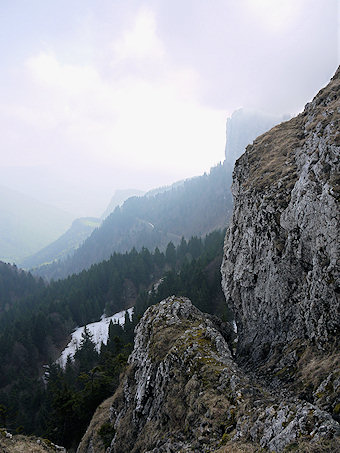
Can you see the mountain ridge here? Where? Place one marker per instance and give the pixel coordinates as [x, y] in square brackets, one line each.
[183, 391]
[187, 386]
[153, 221]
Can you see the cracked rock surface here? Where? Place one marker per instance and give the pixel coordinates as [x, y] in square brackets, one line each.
[183, 389]
[184, 392]
[281, 262]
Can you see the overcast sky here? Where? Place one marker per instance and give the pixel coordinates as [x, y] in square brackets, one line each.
[114, 94]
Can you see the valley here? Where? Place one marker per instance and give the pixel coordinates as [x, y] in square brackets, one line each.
[221, 326]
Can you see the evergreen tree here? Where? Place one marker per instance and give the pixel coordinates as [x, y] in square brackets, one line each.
[86, 355]
[170, 255]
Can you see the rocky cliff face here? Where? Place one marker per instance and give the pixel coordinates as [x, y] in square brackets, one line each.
[183, 392]
[186, 389]
[281, 265]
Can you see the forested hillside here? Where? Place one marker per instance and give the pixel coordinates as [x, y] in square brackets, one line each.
[194, 208]
[39, 318]
[15, 284]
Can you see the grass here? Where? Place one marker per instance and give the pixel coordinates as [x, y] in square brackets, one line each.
[314, 368]
[95, 433]
[272, 156]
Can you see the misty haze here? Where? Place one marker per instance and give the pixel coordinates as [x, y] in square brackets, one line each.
[169, 222]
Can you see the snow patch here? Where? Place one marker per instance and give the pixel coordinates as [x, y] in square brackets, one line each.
[99, 331]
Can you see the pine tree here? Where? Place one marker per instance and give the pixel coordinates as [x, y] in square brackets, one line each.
[170, 255]
[86, 355]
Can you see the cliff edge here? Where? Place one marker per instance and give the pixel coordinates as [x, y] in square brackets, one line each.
[281, 258]
[183, 392]
[186, 389]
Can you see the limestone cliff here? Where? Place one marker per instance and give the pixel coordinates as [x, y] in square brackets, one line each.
[281, 261]
[186, 389]
[183, 392]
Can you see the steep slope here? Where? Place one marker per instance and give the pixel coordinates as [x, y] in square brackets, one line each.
[195, 207]
[15, 284]
[26, 225]
[282, 245]
[281, 264]
[65, 245]
[99, 331]
[183, 392]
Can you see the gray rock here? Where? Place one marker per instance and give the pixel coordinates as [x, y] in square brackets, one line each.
[280, 271]
[183, 390]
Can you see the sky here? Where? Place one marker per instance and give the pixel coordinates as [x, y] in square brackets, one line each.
[116, 94]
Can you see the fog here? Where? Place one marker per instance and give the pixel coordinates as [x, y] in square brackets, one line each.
[99, 96]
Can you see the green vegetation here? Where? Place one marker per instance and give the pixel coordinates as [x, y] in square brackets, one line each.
[36, 319]
[193, 208]
[107, 433]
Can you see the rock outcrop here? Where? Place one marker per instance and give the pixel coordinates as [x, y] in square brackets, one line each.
[183, 392]
[25, 444]
[186, 389]
[281, 262]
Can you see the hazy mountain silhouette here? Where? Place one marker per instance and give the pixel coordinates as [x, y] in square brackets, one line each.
[196, 206]
[27, 225]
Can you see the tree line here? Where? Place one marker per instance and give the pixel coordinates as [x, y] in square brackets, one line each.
[154, 220]
[36, 320]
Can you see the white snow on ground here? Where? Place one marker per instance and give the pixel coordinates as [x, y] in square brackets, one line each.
[99, 331]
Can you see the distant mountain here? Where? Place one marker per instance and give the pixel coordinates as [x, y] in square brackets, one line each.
[243, 127]
[197, 206]
[185, 208]
[27, 225]
[65, 245]
[118, 199]
[80, 230]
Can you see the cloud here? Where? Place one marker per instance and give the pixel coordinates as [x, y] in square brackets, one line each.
[72, 79]
[141, 40]
[134, 90]
[124, 118]
[276, 16]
